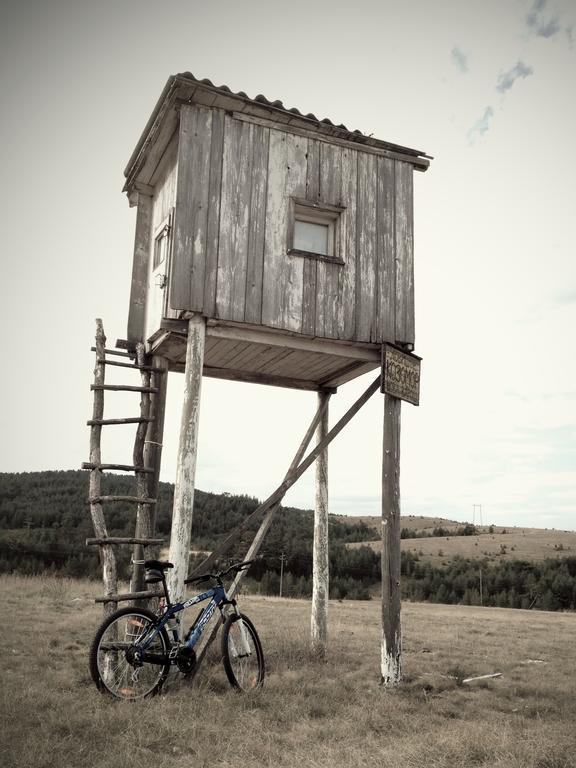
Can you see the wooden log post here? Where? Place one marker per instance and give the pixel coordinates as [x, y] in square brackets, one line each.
[320, 566]
[107, 557]
[391, 651]
[144, 513]
[155, 433]
[186, 461]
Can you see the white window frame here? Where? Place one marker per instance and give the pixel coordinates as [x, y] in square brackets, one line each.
[161, 242]
[317, 213]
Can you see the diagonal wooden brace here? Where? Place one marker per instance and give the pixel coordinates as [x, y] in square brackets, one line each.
[293, 474]
[232, 537]
[270, 506]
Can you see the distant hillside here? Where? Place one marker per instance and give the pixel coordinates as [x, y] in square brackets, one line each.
[45, 519]
[531, 544]
[414, 523]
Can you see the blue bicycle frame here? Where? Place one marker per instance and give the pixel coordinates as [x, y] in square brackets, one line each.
[218, 599]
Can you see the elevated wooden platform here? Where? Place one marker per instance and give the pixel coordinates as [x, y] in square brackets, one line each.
[255, 354]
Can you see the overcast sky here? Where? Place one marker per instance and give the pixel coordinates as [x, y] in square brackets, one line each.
[487, 88]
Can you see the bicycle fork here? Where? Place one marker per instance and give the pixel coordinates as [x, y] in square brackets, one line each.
[244, 649]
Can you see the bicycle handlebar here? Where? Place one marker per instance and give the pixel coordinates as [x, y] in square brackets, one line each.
[218, 576]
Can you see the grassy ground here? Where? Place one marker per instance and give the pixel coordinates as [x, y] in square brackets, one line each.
[310, 713]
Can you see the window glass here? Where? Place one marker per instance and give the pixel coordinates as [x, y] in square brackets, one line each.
[160, 247]
[311, 237]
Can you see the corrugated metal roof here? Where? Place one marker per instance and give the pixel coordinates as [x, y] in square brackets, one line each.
[261, 99]
[356, 134]
[185, 81]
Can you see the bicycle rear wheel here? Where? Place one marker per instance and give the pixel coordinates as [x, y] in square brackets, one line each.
[112, 665]
[242, 653]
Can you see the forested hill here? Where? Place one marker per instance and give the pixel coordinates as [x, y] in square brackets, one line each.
[45, 520]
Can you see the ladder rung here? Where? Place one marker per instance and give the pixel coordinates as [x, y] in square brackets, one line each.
[121, 467]
[123, 388]
[127, 596]
[105, 422]
[114, 352]
[132, 366]
[132, 499]
[121, 540]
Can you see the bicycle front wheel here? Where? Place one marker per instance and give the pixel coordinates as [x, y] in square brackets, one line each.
[242, 653]
[113, 666]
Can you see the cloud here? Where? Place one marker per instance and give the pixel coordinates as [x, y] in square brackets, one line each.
[567, 296]
[507, 79]
[459, 59]
[481, 125]
[540, 25]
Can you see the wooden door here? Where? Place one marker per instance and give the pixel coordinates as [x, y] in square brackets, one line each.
[160, 257]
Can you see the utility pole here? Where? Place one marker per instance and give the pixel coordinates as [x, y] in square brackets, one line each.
[474, 508]
[481, 598]
[282, 561]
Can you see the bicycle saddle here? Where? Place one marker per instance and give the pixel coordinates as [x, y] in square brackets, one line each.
[157, 565]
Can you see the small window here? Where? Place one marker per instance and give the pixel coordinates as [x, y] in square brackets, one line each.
[315, 231]
[310, 236]
[161, 246]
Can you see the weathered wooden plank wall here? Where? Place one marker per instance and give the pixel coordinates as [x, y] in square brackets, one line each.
[191, 219]
[257, 225]
[404, 242]
[283, 275]
[164, 182]
[140, 264]
[235, 181]
[330, 185]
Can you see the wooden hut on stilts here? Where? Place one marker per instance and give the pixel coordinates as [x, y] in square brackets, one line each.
[276, 248]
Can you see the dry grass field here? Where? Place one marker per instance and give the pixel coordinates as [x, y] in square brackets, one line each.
[413, 522]
[310, 713]
[515, 543]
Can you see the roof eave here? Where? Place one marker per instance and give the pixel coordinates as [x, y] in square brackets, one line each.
[170, 95]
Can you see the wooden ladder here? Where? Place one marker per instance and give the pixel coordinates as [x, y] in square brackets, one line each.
[145, 463]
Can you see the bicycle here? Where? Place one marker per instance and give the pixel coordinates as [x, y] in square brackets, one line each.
[132, 652]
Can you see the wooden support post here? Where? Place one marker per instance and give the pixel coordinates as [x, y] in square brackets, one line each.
[107, 557]
[144, 513]
[155, 433]
[320, 567]
[186, 462]
[391, 653]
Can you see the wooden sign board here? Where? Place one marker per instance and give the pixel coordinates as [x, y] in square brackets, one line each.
[400, 374]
